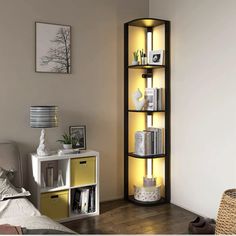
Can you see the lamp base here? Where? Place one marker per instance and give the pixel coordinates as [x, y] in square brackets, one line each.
[42, 149]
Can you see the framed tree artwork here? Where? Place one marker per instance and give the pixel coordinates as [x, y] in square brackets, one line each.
[53, 48]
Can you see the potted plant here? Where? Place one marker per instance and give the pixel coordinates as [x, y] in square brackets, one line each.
[135, 60]
[68, 142]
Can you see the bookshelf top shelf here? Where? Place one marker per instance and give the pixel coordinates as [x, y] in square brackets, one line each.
[149, 66]
[146, 22]
[131, 154]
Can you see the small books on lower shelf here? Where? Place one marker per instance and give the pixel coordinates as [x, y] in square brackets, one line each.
[150, 141]
[155, 99]
[83, 200]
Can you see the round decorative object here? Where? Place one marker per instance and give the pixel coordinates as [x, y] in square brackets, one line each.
[147, 194]
[226, 218]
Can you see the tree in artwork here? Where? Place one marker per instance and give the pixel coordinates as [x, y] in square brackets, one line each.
[59, 53]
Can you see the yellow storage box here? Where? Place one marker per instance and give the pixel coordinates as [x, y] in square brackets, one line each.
[55, 204]
[83, 171]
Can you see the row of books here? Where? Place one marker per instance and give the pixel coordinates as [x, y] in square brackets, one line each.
[155, 98]
[150, 141]
[83, 200]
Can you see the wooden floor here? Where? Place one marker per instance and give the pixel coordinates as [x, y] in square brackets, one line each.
[122, 217]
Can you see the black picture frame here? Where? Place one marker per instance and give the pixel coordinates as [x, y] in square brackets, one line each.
[80, 133]
[37, 23]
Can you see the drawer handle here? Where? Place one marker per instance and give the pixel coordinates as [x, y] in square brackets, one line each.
[54, 196]
[82, 162]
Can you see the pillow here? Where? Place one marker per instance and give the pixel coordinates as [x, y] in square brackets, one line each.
[7, 190]
[9, 174]
[6, 187]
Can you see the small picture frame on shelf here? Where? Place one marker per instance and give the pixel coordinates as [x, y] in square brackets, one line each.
[156, 57]
[79, 132]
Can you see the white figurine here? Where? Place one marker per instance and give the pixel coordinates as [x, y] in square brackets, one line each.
[137, 102]
[42, 150]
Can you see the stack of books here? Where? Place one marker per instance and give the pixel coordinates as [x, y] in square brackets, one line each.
[68, 151]
[83, 200]
[150, 142]
[155, 99]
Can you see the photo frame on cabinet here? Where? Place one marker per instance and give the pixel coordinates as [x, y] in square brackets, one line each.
[52, 48]
[79, 132]
[156, 57]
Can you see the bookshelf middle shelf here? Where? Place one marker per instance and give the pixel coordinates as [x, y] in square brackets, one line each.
[132, 154]
[146, 111]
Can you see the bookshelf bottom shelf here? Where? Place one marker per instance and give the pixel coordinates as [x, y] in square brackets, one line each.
[132, 199]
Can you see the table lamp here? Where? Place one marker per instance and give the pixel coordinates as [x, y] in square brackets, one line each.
[43, 117]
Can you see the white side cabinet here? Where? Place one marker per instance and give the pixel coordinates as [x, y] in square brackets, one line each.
[65, 187]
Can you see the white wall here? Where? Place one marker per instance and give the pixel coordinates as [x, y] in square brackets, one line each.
[203, 40]
[91, 95]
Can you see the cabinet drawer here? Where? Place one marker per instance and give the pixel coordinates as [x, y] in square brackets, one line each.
[83, 171]
[55, 205]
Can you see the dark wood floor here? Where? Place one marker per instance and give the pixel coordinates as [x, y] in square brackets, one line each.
[122, 217]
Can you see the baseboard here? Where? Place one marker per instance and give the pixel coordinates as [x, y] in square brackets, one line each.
[113, 199]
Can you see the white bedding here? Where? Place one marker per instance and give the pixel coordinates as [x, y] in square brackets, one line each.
[17, 207]
[21, 212]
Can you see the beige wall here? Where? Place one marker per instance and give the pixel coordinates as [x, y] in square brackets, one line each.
[91, 95]
[203, 94]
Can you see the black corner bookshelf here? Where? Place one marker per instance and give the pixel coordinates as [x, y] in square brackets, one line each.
[135, 31]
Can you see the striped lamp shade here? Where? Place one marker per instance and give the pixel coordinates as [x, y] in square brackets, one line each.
[43, 116]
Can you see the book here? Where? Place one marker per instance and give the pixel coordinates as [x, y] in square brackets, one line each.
[155, 98]
[50, 180]
[163, 140]
[148, 143]
[76, 202]
[150, 98]
[84, 200]
[156, 95]
[92, 199]
[140, 142]
[158, 140]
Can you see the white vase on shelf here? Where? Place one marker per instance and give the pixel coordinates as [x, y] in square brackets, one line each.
[60, 181]
[67, 146]
[135, 63]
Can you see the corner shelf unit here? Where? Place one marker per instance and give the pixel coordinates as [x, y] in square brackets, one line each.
[135, 166]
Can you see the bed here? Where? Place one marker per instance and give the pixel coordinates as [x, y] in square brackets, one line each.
[20, 211]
